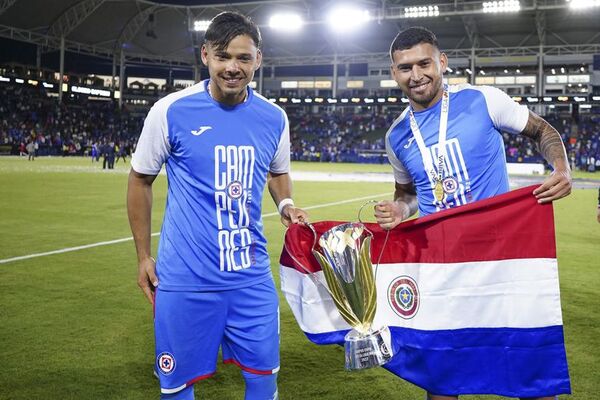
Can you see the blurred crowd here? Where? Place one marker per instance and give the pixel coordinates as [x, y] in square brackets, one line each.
[581, 139]
[338, 136]
[31, 120]
[31, 123]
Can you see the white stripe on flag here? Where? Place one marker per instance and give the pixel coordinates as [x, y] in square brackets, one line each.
[488, 294]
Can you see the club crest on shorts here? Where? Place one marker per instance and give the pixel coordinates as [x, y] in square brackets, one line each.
[403, 296]
[165, 363]
[235, 190]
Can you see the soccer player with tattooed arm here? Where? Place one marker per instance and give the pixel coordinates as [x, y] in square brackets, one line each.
[446, 148]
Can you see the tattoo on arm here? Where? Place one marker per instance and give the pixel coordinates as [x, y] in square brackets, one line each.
[547, 138]
[408, 194]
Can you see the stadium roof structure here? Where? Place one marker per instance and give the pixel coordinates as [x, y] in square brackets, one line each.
[160, 32]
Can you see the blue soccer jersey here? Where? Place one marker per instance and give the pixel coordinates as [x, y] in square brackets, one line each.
[475, 162]
[217, 158]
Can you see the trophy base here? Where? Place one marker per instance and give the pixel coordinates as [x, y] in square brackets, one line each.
[368, 350]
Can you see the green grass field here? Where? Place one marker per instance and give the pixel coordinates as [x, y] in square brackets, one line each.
[75, 325]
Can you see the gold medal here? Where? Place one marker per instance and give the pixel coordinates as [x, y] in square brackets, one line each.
[438, 191]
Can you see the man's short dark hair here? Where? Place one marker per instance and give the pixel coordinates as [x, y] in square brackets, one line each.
[226, 26]
[411, 37]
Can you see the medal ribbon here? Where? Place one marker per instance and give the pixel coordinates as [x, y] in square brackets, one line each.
[435, 174]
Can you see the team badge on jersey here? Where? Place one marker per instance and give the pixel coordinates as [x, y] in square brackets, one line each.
[450, 185]
[165, 363]
[235, 190]
[403, 296]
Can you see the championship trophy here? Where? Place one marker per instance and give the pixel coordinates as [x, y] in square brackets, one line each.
[346, 265]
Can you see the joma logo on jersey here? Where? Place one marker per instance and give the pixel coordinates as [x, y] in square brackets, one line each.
[200, 130]
[234, 167]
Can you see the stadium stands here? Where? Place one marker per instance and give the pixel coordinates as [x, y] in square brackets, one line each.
[342, 134]
[27, 113]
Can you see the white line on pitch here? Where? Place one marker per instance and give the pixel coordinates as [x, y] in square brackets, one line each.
[108, 242]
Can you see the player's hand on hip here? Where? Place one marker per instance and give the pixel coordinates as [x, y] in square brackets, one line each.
[293, 215]
[389, 214]
[147, 280]
[556, 186]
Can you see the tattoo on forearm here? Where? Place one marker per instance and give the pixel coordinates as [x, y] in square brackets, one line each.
[546, 137]
[408, 194]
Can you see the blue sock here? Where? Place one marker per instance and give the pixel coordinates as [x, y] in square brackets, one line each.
[260, 387]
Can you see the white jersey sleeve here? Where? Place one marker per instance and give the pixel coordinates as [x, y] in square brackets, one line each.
[153, 147]
[401, 175]
[281, 161]
[507, 115]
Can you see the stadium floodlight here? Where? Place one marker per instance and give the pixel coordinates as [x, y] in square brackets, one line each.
[449, 69]
[422, 11]
[286, 22]
[4, 79]
[501, 6]
[562, 70]
[469, 71]
[345, 19]
[581, 4]
[201, 25]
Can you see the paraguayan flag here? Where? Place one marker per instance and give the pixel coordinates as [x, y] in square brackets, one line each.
[470, 294]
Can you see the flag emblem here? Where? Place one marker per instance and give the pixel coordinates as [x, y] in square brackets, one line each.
[403, 296]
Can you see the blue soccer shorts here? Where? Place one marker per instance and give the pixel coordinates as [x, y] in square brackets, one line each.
[190, 327]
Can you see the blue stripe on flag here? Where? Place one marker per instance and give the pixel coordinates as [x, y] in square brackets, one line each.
[514, 362]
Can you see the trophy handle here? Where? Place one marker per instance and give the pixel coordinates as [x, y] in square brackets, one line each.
[363, 206]
[371, 234]
[311, 274]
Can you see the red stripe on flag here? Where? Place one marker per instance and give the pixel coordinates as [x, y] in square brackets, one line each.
[509, 226]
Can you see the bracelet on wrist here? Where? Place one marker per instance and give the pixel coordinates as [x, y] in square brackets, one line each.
[283, 203]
